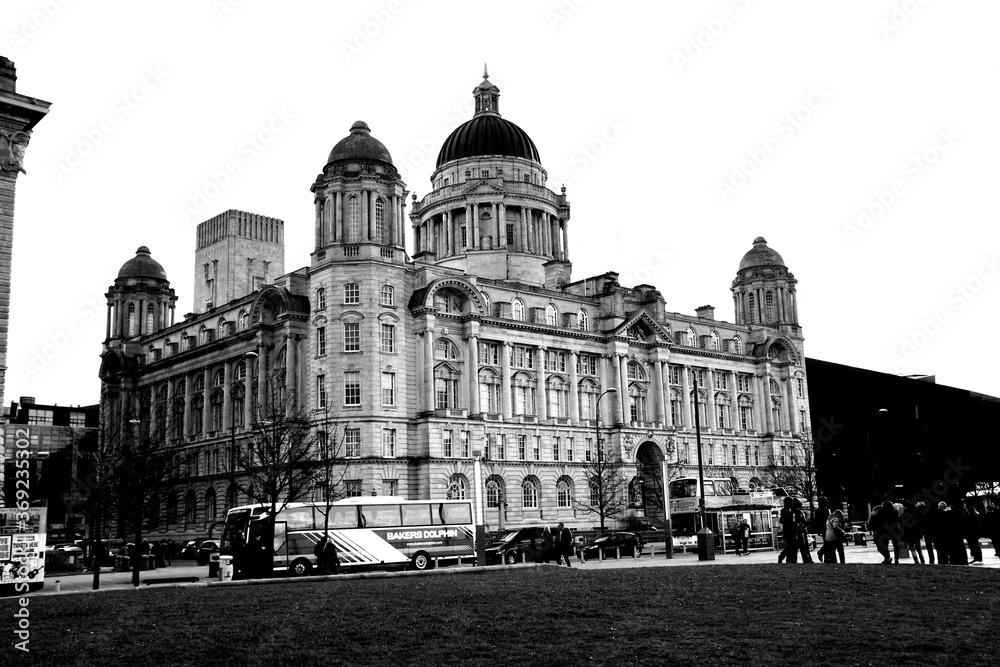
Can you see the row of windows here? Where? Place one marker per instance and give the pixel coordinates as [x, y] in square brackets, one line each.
[352, 338]
[352, 296]
[205, 336]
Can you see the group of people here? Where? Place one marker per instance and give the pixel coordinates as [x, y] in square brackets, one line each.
[794, 531]
[944, 529]
[740, 532]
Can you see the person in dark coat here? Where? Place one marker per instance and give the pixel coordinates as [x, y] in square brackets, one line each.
[885, 525]
[803, 537]
[789, 532]
[991, 528]
[822, 515]
[736, 533]
[971, 530]
[951, 550]
[564, 542]
[912, 525]
[927, 515]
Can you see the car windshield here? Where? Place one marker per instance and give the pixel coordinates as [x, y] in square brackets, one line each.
[508, 536]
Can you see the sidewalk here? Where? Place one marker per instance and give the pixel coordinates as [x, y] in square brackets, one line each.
[81, 581]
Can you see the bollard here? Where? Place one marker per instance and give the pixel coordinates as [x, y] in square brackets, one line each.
[600, 552]
[618, 553]
[58, 586]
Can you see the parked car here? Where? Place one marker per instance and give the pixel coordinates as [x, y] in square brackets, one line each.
[611, 545]
[205, 551]
[530, 541]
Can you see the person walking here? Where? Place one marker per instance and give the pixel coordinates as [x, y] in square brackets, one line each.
[736, 533]
[913, 530]
[888, 532]
[928, 519]
[991, 528]
[820, 518]
[803, 535]
[564, 542]
[971, 530]
[789, 531]
[834, 537]
[951, 551]
[745, 537]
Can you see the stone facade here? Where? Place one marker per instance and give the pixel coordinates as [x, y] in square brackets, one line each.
[479, 344]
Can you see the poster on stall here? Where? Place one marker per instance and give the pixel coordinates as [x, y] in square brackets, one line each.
[22, 553]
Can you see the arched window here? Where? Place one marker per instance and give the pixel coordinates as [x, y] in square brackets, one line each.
[595, 494]
[582, 320]
[446, 383]
[716, 342]
[676, 415]
[637, 402]
[353, 219]
[244, 320]
[458, 487]
[752, 303]
[494, 489]
[321, 298]
[132, 325]
[769, 316]
[691, 339]
[701, 407]
[445, 349]
[210, 509]
[231, 495]
[558, 397]
[529, 493]
[150, 317]
[635, 371]
[490, 391]
[171, 508]
[517, 310]
[745, 406]
[737, 345]
[564, 493]
[776, 414]
[216, 406]
[588, 399]
[523, 391]
[551, 317]
[379, 220]
[722, 411]
[487, 310]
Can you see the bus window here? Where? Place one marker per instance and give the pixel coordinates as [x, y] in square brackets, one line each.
[416, 515]
[374, 516]
[436, 518]
[340, 517]
[297, 518]
[456, 512]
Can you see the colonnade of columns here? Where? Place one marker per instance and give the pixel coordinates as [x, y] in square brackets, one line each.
[334, 223]
[141, 321]
[533, 230]
[784, 305]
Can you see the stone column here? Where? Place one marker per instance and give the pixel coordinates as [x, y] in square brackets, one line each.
[605, 384]
[227, 394]
[170, 409]
[476, 241]
[658, 414]
[291, 375]
[188, 380]
[686, 414]
[712, 419]
[502, 225]
[668, 419]
[523, 231]
[206, 402]
[261, 383]
[574, 391]
[565, 239]
[429, 365]
[765, 383]
[505, 381]
[468, 227]
[338, 208]
[472, 366]
[734, 407]
[622, 369]
[542, 394]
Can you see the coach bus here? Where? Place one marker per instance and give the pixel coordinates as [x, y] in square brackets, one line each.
[724, 506]
[369, 532]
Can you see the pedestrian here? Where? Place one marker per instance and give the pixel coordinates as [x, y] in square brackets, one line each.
[971, 530]
[991, 528]
[157, 549]
[564, 540]
[789, 531]
[927, 517]
[820, 518]
[803, 526]
[834, 537]
[745, 537]
[546, 545]
[736, 533]
[887, 532]
[170, 551]
[943, 537]
[913, 529]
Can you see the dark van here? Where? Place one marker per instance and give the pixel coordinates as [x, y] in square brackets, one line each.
[530, 544]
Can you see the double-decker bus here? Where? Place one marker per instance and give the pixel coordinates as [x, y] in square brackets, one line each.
[368, 532]
[724, 506]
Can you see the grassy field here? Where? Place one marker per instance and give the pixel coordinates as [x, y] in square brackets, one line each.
[746, 615]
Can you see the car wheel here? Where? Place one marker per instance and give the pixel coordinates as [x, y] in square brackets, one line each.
[421, 561]
[636, 552]
[510, 558]
[300, 567]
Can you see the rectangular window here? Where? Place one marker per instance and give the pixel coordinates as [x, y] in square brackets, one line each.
[352, 337]
[803, 426]
[586, 364]
[722, 380]
[746, 420]
[800, 387]
[502, 447]
[40, 416]
[489, 353]
[388, 338]
[320, 341]
[675, 374]
[555, 361]
[710, 458]
[446, 393]
[447, 443]
[490, 446]
[389, 442]
[510, 234]
[353, 487]
[736, 456]
[390, 487]
[570, 443]
[388, 389]
[756, 456]
[464, 443]
[743, 382]
[699, 375]
[465, 238]
[522, 447]
[321, 392]
[556, 445]
[588, 451]
[386, 295]
[352, 443]
[536, 451]
[352, 388]
[321, 299]
[77, 419]
[352, 294]
[522, 357]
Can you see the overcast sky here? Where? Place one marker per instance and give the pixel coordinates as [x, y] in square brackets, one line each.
[859, 138]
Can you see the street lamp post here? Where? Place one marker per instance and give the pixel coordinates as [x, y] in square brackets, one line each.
[600, 451]
[706, 538]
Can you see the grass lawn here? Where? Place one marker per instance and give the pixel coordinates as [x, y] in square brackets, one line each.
[724, 615]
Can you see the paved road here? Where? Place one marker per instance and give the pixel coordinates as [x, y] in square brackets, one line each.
[83, 582]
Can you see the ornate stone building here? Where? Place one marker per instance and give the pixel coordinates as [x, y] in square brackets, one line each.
[478, 342]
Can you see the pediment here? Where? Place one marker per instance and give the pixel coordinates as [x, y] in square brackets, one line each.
[642, 327]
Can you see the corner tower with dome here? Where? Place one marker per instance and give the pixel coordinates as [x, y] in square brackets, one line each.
[469, 338]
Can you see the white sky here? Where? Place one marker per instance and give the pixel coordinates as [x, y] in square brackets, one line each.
[199, 78]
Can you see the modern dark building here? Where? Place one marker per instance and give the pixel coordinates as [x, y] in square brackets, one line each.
[879, 436]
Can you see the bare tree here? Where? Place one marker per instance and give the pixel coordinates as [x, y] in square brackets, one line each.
[607, 486]
[798, 474]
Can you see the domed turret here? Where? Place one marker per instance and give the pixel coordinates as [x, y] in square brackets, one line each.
[360, 145]
[764, 288]
[142, 266]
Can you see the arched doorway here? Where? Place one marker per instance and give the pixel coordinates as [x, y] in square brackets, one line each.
[649, 472]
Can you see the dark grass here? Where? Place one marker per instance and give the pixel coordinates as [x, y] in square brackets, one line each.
[724, 615]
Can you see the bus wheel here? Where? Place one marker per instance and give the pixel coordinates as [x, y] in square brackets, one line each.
[421, 561]
[300, 567]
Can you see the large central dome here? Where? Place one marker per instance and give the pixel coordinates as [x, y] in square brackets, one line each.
[487, 133]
